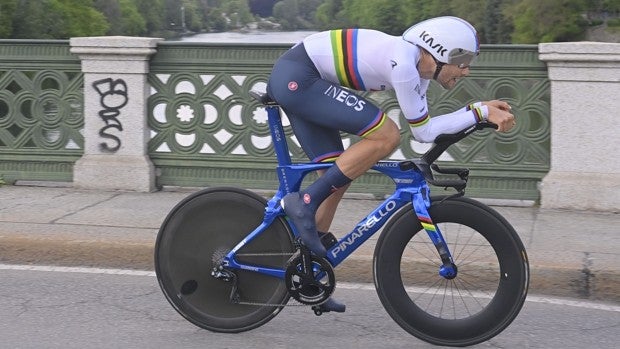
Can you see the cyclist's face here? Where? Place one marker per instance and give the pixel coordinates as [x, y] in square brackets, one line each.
[450, 73]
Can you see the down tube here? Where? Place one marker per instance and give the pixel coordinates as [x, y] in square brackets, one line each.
[365, 229]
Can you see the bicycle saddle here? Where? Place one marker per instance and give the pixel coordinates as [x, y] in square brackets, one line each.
[262, 97]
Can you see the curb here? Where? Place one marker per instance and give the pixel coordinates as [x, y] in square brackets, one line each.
[545, 280]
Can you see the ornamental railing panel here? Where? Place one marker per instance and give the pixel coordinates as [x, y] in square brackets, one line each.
[207, 131]
[41, 110]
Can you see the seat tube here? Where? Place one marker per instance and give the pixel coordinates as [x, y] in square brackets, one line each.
[277, 135]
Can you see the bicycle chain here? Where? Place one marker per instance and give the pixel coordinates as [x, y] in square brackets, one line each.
[265, 254]
[259, 303]
[291, 299]
[295, 304]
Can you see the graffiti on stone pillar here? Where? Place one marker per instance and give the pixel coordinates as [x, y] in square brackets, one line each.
[113, 97]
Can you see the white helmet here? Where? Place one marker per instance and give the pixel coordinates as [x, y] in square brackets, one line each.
[450, 40]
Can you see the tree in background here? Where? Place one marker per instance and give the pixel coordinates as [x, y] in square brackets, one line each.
[262, 8]
[57, 19]
[7, 9]
[395, 17]
[296, 14]
[285, 12]
[81, 18]
[330, 15]
[546, 21]
[154, 16]
[238, 11]
[496, 28]
[383, 15]
[124, 17]
[216, 20]
[193, 17]
[497, 21]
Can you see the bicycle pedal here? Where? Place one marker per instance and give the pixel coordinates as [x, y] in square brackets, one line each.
[328, 239]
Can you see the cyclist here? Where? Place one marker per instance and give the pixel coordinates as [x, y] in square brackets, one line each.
[315, 81]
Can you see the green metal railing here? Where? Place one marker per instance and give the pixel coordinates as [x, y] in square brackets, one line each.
[41, 110]
[207, 131]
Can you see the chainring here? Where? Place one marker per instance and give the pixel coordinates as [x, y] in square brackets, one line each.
[313, 285]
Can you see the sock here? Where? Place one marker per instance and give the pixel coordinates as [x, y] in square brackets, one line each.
[329, 182]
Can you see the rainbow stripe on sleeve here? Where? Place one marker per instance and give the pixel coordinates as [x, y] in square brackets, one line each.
[419, 121]
[344, 47]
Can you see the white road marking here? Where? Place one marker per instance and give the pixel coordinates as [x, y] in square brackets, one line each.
[341, 285]
[50, 268]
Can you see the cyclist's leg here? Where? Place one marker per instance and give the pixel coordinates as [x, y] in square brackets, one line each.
[327, 210]
[321, 144]
[325, 146]
[361, 156]
[364, 149]
[328, 145]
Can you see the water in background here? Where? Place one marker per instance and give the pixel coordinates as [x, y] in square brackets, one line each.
[265, 37]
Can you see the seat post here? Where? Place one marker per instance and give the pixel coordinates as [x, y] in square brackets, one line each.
[277, 135]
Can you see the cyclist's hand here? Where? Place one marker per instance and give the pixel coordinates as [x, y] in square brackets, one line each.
[504, 120]
[498, 104]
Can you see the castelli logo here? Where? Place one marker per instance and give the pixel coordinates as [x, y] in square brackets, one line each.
[307, 199]
[292, 85]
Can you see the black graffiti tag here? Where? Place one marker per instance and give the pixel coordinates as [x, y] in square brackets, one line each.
[113, 95]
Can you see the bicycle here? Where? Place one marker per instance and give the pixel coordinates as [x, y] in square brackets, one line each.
[228, 260]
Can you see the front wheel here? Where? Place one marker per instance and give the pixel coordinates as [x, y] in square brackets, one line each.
[488, 291]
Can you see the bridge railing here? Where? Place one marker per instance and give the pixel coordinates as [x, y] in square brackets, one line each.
[41, 110]
[179, 114]
[208, 131]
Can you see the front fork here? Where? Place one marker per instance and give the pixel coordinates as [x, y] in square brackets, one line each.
[421, 204]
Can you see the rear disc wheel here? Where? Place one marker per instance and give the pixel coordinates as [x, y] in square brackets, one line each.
[194, 239]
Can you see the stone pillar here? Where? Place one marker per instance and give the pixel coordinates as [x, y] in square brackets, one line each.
[115, 113]
[585, 132]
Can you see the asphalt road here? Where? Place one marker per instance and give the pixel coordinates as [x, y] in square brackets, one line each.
[58, 307]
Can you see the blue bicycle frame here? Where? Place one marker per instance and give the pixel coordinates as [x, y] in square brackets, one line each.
[410, 187]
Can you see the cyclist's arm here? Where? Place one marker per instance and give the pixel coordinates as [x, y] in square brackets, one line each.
[411, 96]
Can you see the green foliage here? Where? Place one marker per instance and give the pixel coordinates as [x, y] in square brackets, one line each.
[238, 11]
[385, 15]
[123, 16]
[548, 21]
[330, 15]
[497, 21]
[614, 23]
[81, 18]
[193, 15]
[216, 20]
[57, 19]
[7, 9]
[298, 14]
[154, 16]
[286, 12]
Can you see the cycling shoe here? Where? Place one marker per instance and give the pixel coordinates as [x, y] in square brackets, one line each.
[303, 218]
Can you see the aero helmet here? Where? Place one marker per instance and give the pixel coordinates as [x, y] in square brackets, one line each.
[450, 40]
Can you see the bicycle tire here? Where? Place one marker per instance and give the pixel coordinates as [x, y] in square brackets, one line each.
[413, 293]
[196, 235]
